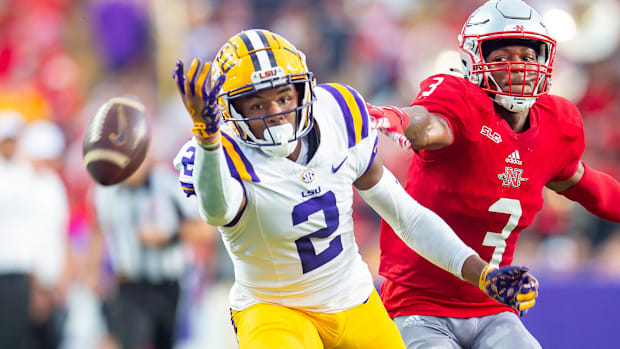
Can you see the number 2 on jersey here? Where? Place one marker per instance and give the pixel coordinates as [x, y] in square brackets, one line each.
[511, 207]
[311, 260]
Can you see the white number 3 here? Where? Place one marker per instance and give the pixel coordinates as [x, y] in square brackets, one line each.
[507, 206]
[433, 86]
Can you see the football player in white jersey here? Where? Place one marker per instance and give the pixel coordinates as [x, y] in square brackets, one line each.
[277, 179]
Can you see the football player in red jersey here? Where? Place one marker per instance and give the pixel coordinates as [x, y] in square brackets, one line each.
[485, 146]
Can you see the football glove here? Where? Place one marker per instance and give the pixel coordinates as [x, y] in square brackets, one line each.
[510, 285]
[390, 120]
[200, 100]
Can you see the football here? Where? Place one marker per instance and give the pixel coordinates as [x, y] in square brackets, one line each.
[116, 140]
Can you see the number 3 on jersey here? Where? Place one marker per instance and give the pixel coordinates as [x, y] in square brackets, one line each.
[433, 86]
[511, 207]
[311, 260]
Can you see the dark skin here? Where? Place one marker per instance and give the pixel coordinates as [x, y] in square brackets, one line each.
[427, 131]
[271, 101]
[279, 99]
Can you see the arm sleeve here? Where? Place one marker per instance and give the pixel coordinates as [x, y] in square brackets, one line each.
[598, 193]
[219, 195]
[420, 228]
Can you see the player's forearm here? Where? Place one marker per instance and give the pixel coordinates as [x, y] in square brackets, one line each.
[472, 269]
[220, 195]
[425, 130]
[420, 228]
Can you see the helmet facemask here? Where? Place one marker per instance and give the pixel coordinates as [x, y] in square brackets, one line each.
[272, 142]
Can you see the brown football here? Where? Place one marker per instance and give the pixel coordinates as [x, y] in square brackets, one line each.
[116, 140]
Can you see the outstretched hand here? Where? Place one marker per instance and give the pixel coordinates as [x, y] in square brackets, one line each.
[510, 285]
[391, 121]
[200, 100]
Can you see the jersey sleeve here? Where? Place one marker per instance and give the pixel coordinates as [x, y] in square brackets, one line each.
[360, 138]
[239, 166]
[572, 138]
[445, 96]
[184, 163]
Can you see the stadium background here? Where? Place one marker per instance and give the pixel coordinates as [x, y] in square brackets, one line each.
[60, 59]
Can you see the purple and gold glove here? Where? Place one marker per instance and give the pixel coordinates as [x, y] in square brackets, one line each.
[510, 285]
[200, 100]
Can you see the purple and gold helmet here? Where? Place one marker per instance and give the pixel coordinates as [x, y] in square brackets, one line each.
[257, 59]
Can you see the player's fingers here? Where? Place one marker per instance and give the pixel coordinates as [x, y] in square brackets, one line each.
[188, 103]
[216, 89]
[177, 74]
[205, 85]
[522, 297]
[526, 305]
[218, 84]
[405, 144]
[531, 280]
[192, 74]
[382, 123]
[201, 82]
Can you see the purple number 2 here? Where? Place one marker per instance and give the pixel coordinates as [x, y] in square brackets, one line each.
[188, 161]
[310, 260]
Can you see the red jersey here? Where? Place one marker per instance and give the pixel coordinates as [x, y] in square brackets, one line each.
[487, 185]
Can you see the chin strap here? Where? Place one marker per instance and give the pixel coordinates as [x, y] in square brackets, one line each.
[515, 104]
[597, 192]
[511, 103]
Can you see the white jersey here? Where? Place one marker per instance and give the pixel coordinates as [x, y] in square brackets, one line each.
[293, 243]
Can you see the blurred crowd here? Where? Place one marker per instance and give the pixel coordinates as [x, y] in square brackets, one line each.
[61, 59]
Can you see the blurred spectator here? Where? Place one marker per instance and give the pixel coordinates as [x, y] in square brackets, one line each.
[15, 238]
[144, 221]
[42, 143]
[33, 231]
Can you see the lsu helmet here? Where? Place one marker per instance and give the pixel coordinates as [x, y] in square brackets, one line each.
[254, 60]
[499, 23]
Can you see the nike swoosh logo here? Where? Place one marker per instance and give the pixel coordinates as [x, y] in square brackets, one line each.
[336, 168]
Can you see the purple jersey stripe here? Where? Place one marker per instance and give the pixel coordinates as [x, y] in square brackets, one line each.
[363, 111]
[373, 155]
[238, 216]
[234, 171]
[188, 188]
[348, 118]
[231, 166]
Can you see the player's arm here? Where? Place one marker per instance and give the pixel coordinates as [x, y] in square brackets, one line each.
[432, 238]
[596, 191]
[220, 196]
[423, 129]
[420, 228]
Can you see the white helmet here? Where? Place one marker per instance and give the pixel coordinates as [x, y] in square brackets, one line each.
[513, 22]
